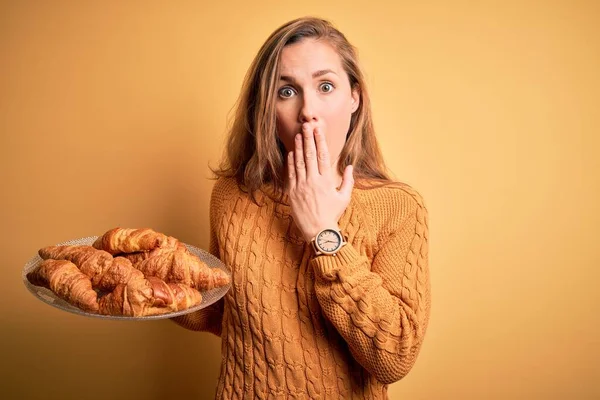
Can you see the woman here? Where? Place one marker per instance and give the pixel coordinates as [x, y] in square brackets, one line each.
[330, 284]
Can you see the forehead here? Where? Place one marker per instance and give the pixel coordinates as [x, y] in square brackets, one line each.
[309, 55]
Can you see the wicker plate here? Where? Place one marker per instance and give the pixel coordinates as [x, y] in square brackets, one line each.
[47, 296]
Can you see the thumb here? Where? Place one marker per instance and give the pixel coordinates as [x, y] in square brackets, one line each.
[347, 181]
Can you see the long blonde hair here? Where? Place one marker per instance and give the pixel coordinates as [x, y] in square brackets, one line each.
[254, 155]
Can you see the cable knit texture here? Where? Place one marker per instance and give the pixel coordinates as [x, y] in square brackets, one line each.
[295, 325]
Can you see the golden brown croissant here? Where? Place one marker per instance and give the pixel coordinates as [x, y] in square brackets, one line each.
[181, 266]
[104, 270]
[167, 247]
[203, 277]
[185, 296]
[67, 282]
[123, 240]
[151, 296]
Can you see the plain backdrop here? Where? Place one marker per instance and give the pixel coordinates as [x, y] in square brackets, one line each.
[112, 111]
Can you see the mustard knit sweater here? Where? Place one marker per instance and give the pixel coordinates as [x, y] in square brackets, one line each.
[298, 326]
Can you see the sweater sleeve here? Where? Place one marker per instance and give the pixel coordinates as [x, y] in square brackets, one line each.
[208, 319]
[381, 309]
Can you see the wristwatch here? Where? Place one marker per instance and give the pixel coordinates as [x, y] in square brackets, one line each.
[328, 242]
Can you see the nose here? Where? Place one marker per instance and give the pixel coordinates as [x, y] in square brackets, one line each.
[308, 112]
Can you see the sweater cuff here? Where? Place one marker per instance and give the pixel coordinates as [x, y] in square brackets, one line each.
[205, 320]
[327, 267]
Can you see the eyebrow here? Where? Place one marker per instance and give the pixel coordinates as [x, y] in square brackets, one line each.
[314, 75]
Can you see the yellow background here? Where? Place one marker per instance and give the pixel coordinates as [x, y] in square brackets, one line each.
[110, 113]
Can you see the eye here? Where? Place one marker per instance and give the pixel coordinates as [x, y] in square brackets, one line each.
[286, 92]
[327, 87]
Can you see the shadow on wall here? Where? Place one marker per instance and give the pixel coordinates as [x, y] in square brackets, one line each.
[188, 362]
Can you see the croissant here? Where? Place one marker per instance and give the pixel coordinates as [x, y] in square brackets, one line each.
[180, 266]
[104, 270]
[150, 296]
[167, 247]
[122, 240]
[185, 296]
[203, 277]
[67, 281]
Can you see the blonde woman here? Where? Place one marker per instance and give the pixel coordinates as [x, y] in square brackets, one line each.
[330, 292]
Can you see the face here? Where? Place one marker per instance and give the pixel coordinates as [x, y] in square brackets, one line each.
[314, 89]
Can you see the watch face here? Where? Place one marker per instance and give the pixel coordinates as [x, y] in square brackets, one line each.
[329, 240]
